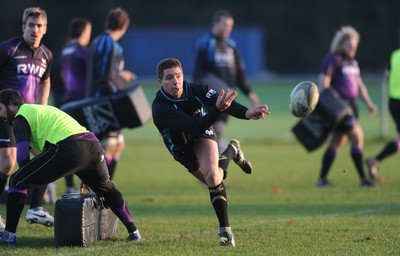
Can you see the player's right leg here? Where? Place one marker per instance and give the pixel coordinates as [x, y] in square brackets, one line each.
[356, 137]
[98, 179]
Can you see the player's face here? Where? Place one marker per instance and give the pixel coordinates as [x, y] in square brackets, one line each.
[33, 31]
[172, 82]
[349, 47]
[223, 28]
[86, 33]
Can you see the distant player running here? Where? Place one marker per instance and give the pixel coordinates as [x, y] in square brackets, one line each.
[184, 113]
[340, 71]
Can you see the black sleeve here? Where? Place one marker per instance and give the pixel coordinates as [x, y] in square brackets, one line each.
[237, 110]
[22, 129]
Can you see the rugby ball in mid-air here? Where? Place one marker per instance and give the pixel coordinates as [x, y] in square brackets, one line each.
[303, 99]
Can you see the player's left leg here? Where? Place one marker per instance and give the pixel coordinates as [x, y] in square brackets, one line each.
[206, 151]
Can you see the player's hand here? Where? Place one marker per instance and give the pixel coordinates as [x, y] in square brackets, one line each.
[225, 99]
[127, 76]
[258, 112]
[372, 108]
[84, 186]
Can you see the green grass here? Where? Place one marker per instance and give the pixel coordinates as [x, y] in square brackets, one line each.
[275, 211]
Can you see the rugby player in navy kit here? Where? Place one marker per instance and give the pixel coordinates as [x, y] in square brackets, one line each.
[183, 113]
[340, 71]
[25, 66]
[64, 147]
[106, 75]
[218, 63]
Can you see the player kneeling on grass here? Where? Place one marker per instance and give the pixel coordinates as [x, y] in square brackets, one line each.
[65, 147]
[184, 113]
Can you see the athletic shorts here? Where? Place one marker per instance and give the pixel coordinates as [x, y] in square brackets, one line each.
[349, 121]
[7, 139]
[186, 155]
[394, 108]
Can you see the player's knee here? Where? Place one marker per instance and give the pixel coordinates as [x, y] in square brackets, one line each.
[213, 178]
[7, 167]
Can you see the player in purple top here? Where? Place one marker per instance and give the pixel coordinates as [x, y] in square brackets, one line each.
[25, 62]
[25, 66]
[73, 69]
[340, 72]
[74, 59]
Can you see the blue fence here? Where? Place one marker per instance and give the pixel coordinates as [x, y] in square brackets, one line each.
[144, 47]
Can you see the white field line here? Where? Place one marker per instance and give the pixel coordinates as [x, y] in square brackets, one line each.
[93, 249]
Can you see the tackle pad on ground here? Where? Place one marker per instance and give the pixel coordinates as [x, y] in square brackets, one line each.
[82, 219]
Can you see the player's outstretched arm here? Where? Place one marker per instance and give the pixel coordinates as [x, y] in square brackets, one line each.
[258, 112]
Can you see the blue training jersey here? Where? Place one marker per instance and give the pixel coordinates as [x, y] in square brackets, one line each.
[104, 64]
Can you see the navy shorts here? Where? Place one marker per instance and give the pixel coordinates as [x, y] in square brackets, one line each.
[186, 156]
[7, 139]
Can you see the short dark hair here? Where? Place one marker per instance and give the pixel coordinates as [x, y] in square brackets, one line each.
[117, 19]
[221, 13]
[167, 63]
[10, 97]
[34, 12]
[76, 27]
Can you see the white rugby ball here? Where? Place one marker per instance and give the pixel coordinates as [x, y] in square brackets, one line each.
[304, 98]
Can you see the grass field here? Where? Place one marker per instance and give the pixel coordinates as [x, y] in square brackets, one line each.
[275, 211]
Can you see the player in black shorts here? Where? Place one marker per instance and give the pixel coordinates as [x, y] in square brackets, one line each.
[7, 155]
[183, 113]
[64, 147]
